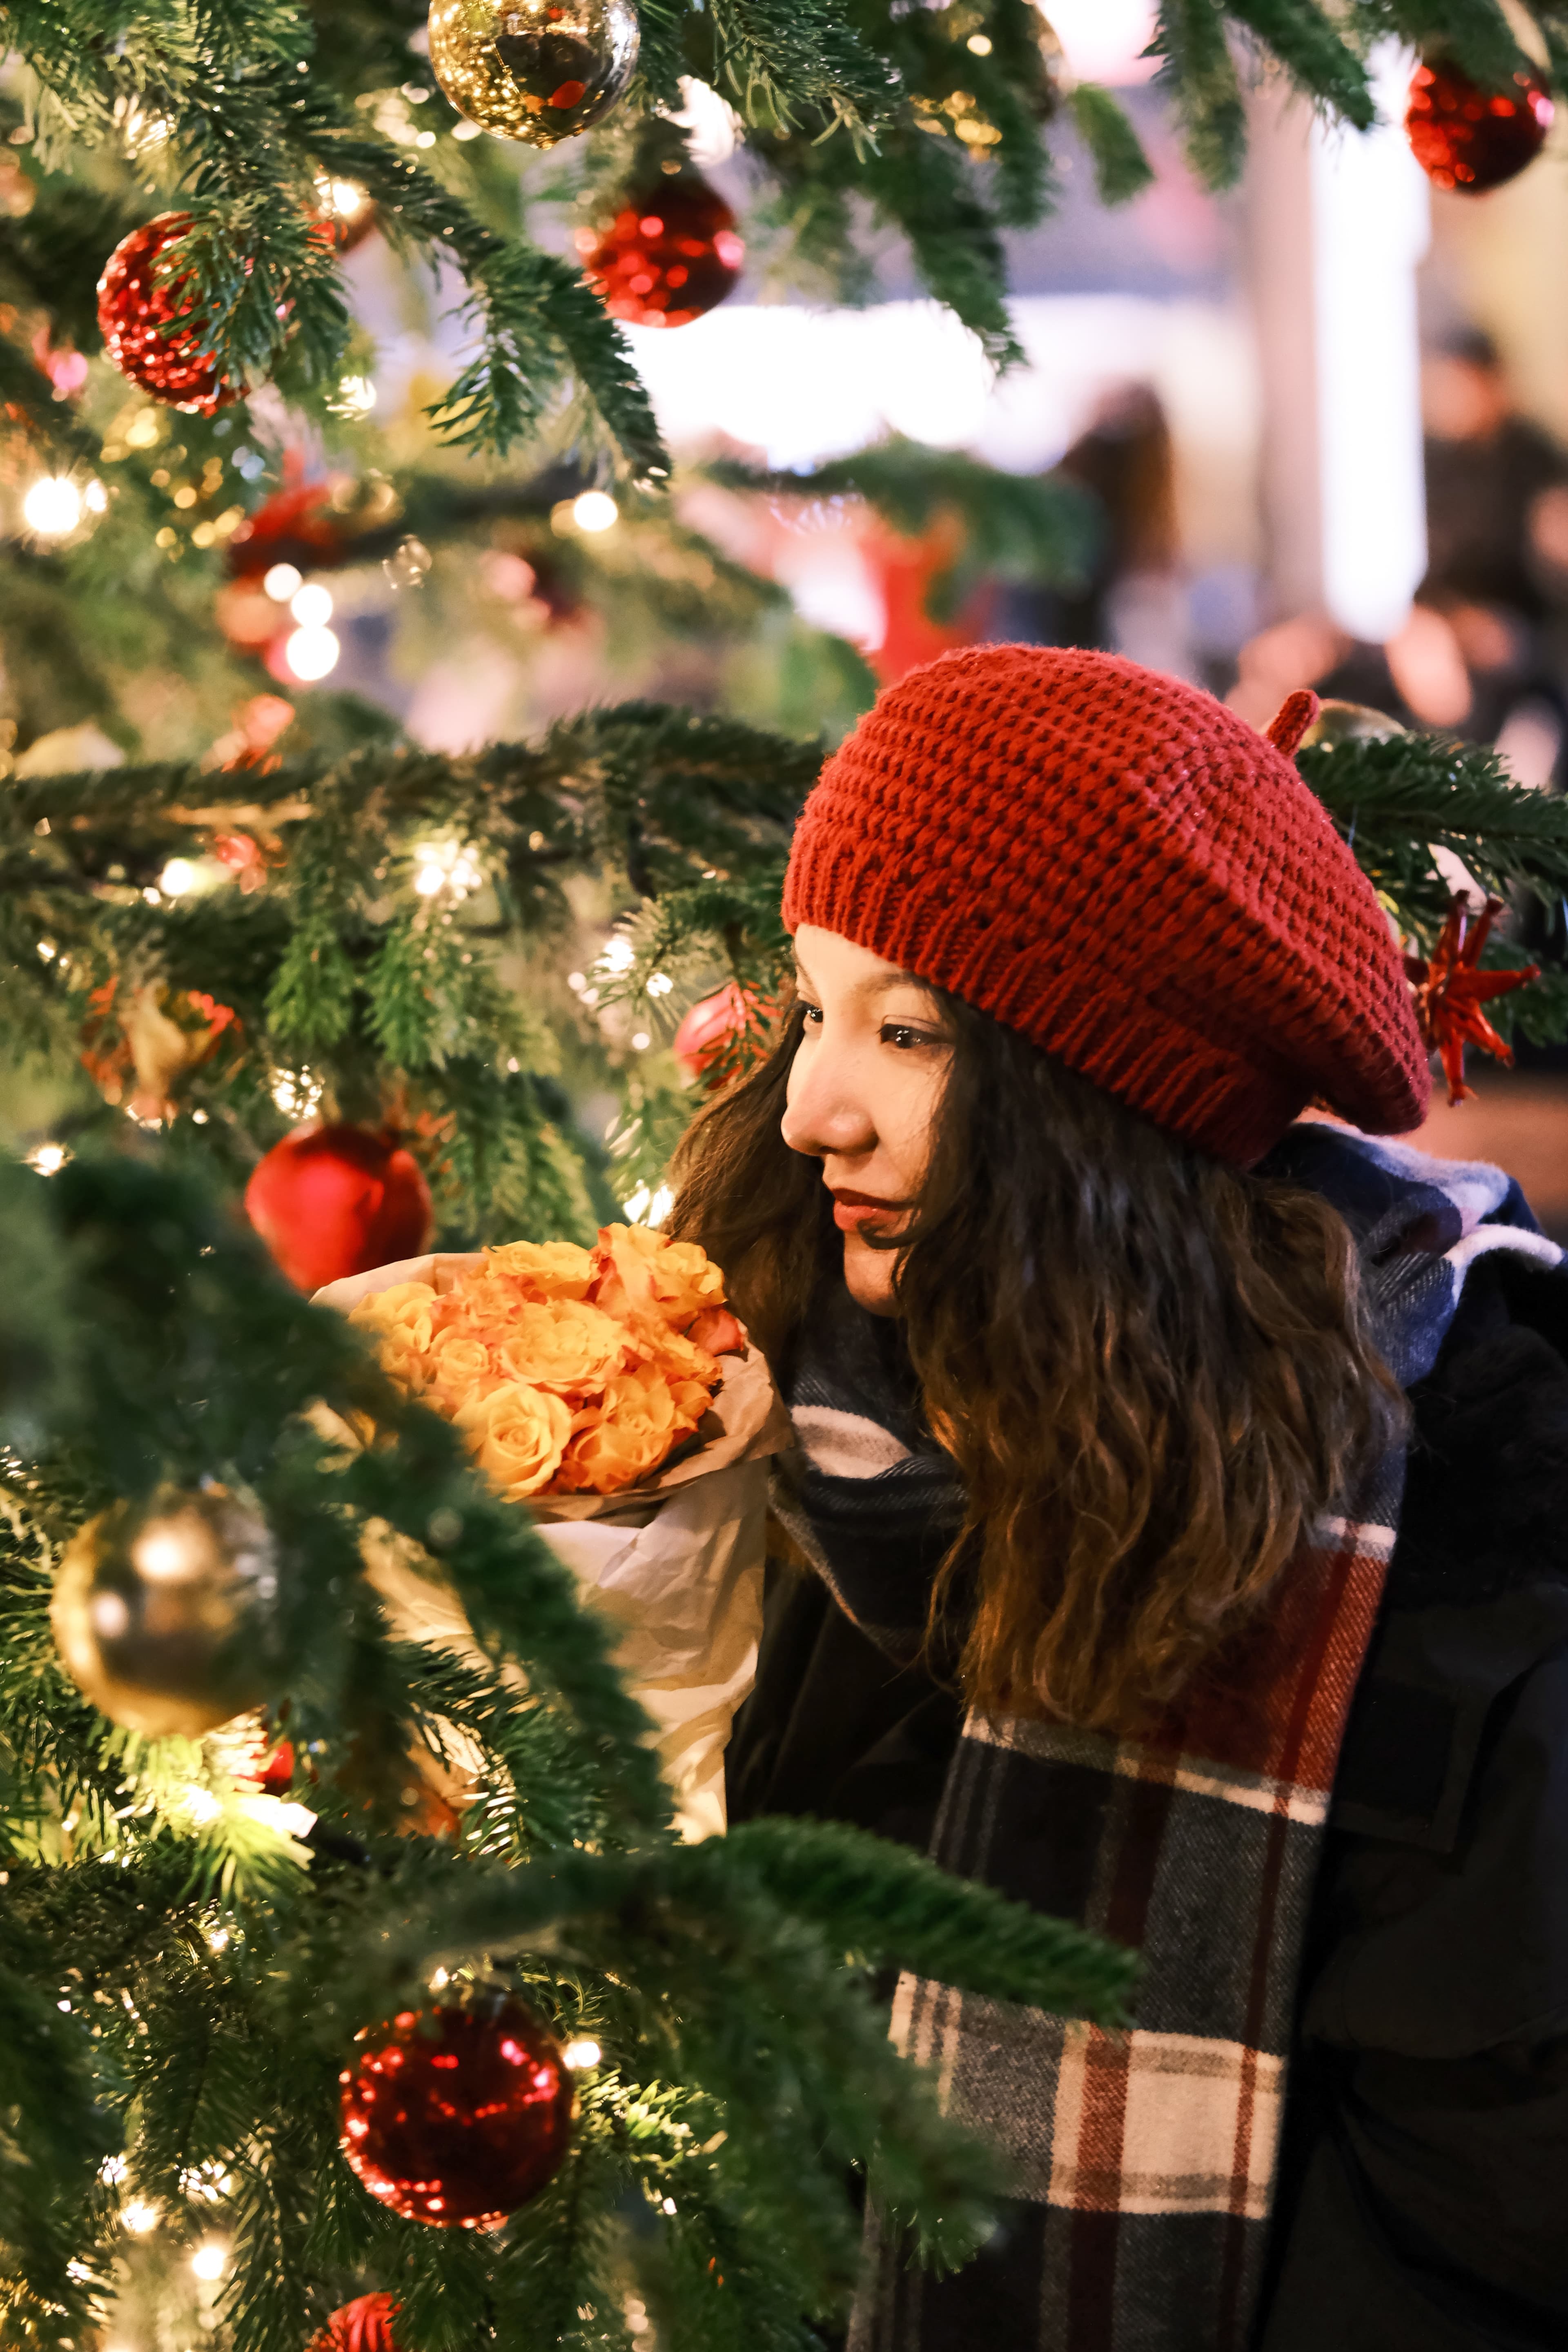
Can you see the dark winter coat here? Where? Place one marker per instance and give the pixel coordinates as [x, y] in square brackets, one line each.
[1424, 2190]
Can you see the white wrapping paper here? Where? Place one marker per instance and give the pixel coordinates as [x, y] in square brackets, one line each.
[676, 1565]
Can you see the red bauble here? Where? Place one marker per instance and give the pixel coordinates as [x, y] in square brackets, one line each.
[712, 1024]
[133, 309]
[671, 253]
[330, 1200]
[458, 2115]
[1472, 139]
[298, 526]
[362, 2325]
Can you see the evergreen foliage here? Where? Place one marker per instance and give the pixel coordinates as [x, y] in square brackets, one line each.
[365, 975]
[182, 1977]
[942, 120]
[1397, 799]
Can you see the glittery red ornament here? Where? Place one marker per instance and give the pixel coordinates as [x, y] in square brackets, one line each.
[458, 2115]
[671, 253]
[362, 2325]
[1449, 992]
[1472, 139]
[135, 307]
[330, 1200]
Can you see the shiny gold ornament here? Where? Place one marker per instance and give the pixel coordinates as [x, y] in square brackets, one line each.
[540, 71]
[1349, 722]
[157, 1608]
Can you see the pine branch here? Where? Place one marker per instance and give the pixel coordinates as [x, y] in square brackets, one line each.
[1202, 78]
[1122, 169]
[1042, 531]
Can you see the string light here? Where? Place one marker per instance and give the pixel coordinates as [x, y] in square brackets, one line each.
[594, 511]
[311, 653]
[281, 582]
[53, 506]
[649, 1208]
[445, 867]
[208, 2261]
[311, 605]
[178, 877]
[583, 2052]
[47, 1159]
[296, 1093]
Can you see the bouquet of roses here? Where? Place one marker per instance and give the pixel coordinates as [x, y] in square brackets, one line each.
[569, 1370]
[612, 1392]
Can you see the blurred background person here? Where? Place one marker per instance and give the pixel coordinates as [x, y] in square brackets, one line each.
[1134, 599]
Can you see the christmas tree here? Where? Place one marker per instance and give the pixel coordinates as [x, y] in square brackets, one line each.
[446, 1851]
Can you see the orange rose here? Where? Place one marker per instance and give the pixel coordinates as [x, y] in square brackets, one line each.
[564, 1345]
[717, 1330]
[635, 1430]
[639, 1273]
[677, 1356]
[545, 1269]
[458, 1366]
[517, 1435]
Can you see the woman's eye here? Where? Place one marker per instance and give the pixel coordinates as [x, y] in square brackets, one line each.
[811, 1014]
[895, 1033]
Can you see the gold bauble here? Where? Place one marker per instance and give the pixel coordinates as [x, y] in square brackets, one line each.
[1349, 722]
[540, 71]
[158, 1607]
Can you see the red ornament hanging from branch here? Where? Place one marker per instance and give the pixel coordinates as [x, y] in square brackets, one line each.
[362, 2325]
[671, 253]
[1450, 991]
[458, 2115]
[330, 1200]
[1472, 139]
[135, 306]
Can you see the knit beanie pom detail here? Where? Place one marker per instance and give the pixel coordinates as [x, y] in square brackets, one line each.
[1116, 865]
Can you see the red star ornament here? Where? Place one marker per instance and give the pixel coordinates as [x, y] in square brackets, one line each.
[1449, 992]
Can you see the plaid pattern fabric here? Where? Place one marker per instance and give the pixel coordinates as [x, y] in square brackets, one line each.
[1143, 2162]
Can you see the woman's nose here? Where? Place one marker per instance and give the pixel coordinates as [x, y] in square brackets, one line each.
[825, 1111]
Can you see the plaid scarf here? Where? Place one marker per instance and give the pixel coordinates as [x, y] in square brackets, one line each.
[1144, 2161]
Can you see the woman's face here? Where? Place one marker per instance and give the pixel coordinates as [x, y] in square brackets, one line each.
[864, 1088]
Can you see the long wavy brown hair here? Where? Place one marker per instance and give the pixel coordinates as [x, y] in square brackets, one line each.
[1150, 1371]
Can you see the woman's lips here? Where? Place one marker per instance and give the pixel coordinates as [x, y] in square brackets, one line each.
[851, 1211]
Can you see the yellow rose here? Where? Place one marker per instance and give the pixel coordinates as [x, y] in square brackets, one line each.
[545, 1269]
[405, 1308]
[635, 1430]
[517, 1435]
[563, 1345]
[404, 1362]
[640, 1274]
[458, 1366]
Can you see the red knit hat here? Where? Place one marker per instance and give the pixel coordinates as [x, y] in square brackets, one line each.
[1122, 869]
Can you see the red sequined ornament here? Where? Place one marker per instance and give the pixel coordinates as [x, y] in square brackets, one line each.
[713, 1025]
[671, 253]
[362, 2325]
[330, 1200]
[1450, 993]
[134, 308]
[458, 2115]
[1472, 139]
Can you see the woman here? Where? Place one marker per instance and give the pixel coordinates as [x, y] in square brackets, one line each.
[1105, 1370]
